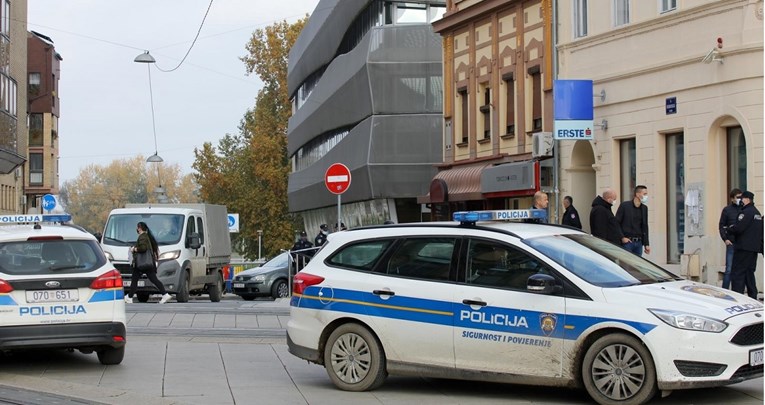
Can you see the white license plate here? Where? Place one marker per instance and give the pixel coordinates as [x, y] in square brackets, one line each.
[126, 283]
[755, 357]
[34, 297]
[238, 285]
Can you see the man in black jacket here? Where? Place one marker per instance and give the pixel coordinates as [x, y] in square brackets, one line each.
[729, 217]
[570, 216]
[632, 216]
[321, 238]
[749, 241]
[602, 221]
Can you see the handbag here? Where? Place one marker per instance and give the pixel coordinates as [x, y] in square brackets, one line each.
[144, 261]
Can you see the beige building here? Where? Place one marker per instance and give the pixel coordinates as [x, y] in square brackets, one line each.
[679, 87]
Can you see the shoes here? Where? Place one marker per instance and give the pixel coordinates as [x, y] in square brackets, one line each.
[165, 298]
[128, 300]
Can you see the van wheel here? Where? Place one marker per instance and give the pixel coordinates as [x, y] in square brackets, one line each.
[111, 355]
[216, 290]
[183, 288]
[618, 369]
[142, 297]
[280, 290]
[354, 359]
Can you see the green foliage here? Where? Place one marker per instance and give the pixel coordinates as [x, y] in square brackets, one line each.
[248, 172]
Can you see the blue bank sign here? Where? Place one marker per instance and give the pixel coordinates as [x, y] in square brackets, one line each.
[572, 100]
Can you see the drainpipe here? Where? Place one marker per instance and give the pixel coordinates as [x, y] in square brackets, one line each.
[556, 148]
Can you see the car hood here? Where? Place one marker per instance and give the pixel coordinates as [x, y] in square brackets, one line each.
[261, 270]
[697, 298]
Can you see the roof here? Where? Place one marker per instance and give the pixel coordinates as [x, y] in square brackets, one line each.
[24, 232]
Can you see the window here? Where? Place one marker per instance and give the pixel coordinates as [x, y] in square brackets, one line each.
[736, 158]
[189, 230]
[5, 18]
[35, 169]
[580, 18]
[627, 168]
[536, 101]
[621, 12]
[411, 13]
[485, 110]
[493, 265]
[35, 129]
[463, 118]
[360, 256]
[510, 106]
[675, 197]
[667, 5]
[34, 84]
[50, 257]
[423, 258]
[201, 230]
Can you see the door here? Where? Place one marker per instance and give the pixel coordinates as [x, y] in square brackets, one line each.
[499, 326]
[196, 256]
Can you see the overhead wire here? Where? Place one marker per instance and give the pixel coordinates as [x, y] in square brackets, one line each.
[192, 42]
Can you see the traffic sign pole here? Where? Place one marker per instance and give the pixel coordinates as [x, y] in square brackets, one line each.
[338, 212]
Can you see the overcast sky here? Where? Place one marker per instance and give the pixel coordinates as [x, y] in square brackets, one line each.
[105, 110]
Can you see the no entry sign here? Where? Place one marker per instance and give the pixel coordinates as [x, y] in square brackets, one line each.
[337, 178]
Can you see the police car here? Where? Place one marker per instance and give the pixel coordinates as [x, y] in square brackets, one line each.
[516, 302]
[58, 290]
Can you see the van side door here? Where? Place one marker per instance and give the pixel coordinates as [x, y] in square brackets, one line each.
[196, 256]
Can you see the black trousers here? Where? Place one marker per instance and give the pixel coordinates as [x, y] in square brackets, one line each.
[742, 272]
[151, 274]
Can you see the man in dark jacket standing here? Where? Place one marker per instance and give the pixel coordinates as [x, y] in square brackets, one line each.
[602, 221]
[729, 217]
[321, 238]
[632, 216]
[749, 241]
[570, 216]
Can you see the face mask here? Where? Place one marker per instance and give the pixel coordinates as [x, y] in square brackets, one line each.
[738, 201]
[644, 199]
[324, 232]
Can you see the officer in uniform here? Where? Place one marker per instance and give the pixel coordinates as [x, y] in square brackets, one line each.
[571, 215]
[749, 241]
[321, 238]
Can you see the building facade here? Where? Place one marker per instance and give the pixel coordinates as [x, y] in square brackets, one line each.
[44, 70]
[366, 85]
[498, 75]
[680, 89]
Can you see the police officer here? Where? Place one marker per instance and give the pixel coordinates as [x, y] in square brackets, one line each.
[321, 238]
[749, 241]
[302, 243]
[728, 217]
[571, 215]
[301, 257]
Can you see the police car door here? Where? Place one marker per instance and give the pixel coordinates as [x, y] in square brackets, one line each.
[410, 304]
[499, 325]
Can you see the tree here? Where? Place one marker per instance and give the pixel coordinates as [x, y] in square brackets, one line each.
[248, 172]
[98, 189]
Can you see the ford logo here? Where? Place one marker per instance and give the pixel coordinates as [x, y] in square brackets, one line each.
[52, 284]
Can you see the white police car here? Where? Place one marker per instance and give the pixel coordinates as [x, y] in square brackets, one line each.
[58, 290]
[516, 302]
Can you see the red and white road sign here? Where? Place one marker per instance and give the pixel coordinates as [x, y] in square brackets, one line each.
[337, 178]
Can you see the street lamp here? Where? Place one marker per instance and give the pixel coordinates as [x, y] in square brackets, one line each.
[155, 158]
[260, 235]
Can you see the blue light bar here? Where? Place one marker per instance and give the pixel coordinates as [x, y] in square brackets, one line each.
[57, 218]
[26, 219]
[498, 215]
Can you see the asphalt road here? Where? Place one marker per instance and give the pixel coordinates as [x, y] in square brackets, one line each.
[234, 352]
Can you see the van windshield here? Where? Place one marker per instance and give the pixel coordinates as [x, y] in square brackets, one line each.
[120, 229]
[599, 262]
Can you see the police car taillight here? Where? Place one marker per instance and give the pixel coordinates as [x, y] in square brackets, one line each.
[303, 281]
[112, 279]
[5, 287]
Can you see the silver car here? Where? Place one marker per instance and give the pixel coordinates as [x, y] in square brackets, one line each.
[267, 280]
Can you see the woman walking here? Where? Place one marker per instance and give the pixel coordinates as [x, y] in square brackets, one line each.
[145, 243]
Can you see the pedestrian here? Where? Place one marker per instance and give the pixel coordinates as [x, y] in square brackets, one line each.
[570, 214]
[540, 203]
[602, 220]
[145, 242]
[749, 240]
[321, 238]
[632, 216]
[728, 217]
[342, 227]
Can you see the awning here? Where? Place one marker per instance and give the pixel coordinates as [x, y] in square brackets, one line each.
[462, 183]
[9, 160]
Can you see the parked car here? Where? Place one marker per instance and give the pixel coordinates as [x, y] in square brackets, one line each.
[519, 303]
[270, 279]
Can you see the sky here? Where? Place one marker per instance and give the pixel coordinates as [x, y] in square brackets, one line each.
[104, 95]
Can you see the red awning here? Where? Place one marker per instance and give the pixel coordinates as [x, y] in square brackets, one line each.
[462, 183]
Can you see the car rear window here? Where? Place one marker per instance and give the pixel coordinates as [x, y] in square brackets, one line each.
[360, 256]
[34, 257]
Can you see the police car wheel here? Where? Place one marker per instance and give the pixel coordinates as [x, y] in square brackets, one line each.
[618, 369]
[354, 359]
[111, 355]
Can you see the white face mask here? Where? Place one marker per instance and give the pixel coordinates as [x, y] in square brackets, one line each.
[644, 199]
[324, 232]
[738, 201]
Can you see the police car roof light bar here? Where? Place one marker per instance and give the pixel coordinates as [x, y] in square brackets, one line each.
[471, 217]
[35, 218]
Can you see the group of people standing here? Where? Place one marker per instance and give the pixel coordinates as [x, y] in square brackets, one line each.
[741, 229]
[629, 227]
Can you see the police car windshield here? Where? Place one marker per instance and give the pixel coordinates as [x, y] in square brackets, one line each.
[166, 228]
[599, 262]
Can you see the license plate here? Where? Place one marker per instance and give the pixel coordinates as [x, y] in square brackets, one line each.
[755, 357]
[238, 285]
[126, 283]
[34, 297]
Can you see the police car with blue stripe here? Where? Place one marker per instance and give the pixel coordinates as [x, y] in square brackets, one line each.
[486, 299]
[57, 289]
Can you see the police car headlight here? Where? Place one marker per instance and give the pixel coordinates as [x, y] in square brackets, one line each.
[171, 255]
[684, 320]
[260, 278]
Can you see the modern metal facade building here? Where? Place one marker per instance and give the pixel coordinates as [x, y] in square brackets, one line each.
[366, 83]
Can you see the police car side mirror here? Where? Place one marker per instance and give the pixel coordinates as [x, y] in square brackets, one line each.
[543, 284]
[194, 241]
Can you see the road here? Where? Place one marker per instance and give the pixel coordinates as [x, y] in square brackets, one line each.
[234, 352]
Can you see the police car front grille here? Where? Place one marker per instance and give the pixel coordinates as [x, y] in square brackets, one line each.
[748, 335]
[698, 368]
[748, 372]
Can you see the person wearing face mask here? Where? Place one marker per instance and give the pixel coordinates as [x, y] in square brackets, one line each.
[321, 238]
[602, 221]
[728, 217]
[632, 216]
[749, 242]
